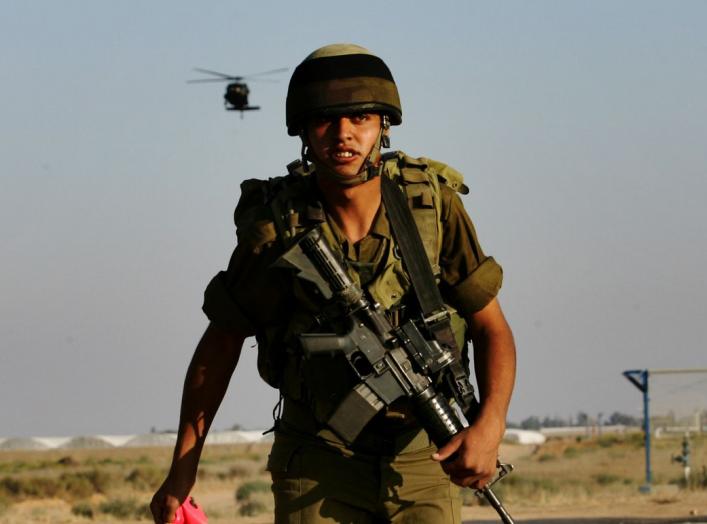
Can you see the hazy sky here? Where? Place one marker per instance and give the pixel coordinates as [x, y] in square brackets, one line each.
[581, 128]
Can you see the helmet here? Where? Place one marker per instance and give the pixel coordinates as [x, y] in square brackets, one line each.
[339, 79]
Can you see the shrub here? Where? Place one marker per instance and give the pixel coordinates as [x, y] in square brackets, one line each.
[242, 469]
[67, 461]
[81, 484]
[255, 486]
[82, 509]
[120, 508]
[29, 487]
[78, 486]
[570, 452]
[606, 441]
[604, 479]
[145, 478]
[637, 440]
[143, 511]
[252, 507]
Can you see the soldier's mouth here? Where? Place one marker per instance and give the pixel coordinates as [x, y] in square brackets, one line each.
[343, 156]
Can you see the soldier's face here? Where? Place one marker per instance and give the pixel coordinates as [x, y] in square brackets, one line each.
[343, 142]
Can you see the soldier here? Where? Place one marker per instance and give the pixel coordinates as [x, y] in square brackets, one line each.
[341, 102]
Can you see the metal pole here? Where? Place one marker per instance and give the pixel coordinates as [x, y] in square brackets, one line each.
[647, 429]
[639, 378]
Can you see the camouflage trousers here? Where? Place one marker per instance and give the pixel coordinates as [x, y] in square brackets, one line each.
[395, 480]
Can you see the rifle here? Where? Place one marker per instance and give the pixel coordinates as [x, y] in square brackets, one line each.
[390, 361]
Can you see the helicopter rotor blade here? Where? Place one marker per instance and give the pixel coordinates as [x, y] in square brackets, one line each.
[271, 72]
[269, 80]
[216, 73]
[203, 80]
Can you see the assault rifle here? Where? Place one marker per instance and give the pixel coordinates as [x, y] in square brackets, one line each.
[391, 362]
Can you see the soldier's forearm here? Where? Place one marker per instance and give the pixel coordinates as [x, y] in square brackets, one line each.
[494, 362]
[205, 385]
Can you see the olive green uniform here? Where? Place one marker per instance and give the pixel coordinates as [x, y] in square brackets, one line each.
[387, 474]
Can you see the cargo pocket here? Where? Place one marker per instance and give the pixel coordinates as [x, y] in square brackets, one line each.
[284, 465]
[281, 461]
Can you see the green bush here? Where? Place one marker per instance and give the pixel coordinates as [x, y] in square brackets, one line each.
[148, 478]
[606, 441]
[82, 509]
[243, 469]
[605, 479]
[121, 508]
[34, 487]
[67, 461]
[637, 440]
[252, 507]
[248, 488]
[571, 452]
[82, 484]
[78, 486]
[519, 486]
[143, 511]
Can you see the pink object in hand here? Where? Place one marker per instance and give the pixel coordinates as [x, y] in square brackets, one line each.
[190, 513]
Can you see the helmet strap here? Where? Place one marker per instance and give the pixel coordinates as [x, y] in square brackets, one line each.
[372, 167]
[385, 137]
[304, 153]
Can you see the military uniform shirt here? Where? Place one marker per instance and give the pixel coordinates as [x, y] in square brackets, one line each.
[251, 295]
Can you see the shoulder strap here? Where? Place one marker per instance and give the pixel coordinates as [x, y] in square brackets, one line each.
[435, 314]
[412, 250]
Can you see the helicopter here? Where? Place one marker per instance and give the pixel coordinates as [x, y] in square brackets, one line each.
[236, 96]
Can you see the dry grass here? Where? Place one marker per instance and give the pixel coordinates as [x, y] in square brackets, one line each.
[601, 477]
[563, 476]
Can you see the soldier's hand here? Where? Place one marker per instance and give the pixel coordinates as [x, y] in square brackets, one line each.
[470, 457]
[165, 502]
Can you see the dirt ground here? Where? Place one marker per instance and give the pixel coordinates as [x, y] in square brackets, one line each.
[685, 507]
[646, 508]
[560, 482]
[676, 507]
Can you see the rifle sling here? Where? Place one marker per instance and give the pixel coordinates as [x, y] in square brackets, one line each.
[414, 257]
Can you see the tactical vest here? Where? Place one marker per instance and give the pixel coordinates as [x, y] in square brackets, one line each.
[288, 203]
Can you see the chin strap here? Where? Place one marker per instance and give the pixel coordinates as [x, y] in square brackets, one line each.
[371, 167]
[304, 153]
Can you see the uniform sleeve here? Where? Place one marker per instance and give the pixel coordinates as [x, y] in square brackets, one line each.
[221, 307]
[249, 295]
[470, 279]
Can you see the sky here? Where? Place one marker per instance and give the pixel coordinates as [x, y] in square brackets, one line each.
[580, 127]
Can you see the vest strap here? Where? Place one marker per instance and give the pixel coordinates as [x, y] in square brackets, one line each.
[434, 312]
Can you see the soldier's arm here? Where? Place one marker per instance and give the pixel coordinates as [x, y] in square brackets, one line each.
[494, 363]
[205, 385]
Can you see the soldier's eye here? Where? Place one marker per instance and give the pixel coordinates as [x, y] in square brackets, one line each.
[359, 118]
[319, 120]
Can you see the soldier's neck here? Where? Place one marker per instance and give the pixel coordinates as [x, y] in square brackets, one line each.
[353, 208]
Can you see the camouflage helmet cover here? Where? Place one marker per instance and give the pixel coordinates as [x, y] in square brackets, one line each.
[337, 79]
